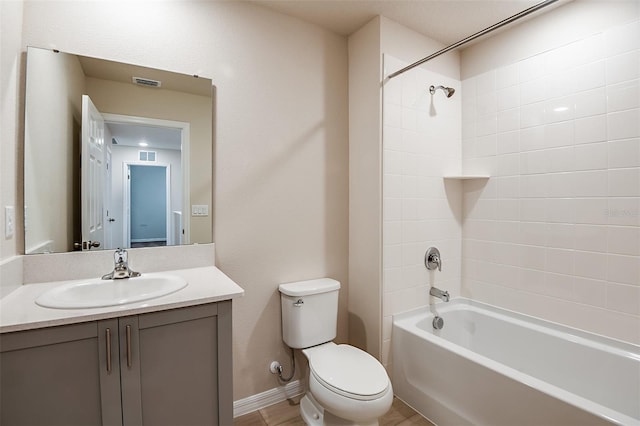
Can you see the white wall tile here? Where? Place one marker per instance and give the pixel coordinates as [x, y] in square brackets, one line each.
[560, 261]
[559, 134]
[532, 138]
[532, 91]
[560, 159]
[590, 102]
[591, 129]
[589, 76]
[559, 84]
[623, 298]
[624, 182]
[418, 212]
[623, 67]
[590, 49]
[590, 156]
[591, 184]
[623, 211]
[591, 238]
[622, 38]
[591, 292]
[486, 83]
[531, 68]
[532, 115]
[591, 210]
[623, 269]
[508, 142]
[533, 210]
[508, 98]
[623, 153]
[623, 125]
[560, 210]
[507, 76]
[486, 125]
[623, 240]
[392, 115]
[590, 265]
[509, 120]
[508, 164]
[623, 96]
[560, 235]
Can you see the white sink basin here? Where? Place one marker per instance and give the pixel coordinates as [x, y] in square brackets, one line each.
[99, 293]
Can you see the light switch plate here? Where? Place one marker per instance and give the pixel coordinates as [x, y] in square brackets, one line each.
[199, 210]
[9, 221]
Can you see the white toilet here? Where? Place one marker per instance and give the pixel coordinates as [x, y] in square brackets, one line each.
[347, 386]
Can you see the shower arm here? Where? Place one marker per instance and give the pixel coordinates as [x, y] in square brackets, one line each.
[466, 40]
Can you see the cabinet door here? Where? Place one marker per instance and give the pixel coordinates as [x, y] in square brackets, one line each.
[174, 359]
[50, 376]
[109, 356]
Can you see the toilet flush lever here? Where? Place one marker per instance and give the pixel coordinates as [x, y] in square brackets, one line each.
[298, 303]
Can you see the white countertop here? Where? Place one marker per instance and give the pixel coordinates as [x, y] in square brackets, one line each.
[18, 310]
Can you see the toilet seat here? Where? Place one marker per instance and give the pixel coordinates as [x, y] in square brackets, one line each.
[348, 371]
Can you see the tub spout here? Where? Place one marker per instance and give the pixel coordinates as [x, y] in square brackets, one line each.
[443, 295]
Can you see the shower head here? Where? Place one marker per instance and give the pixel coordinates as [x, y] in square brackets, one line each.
[449, 91]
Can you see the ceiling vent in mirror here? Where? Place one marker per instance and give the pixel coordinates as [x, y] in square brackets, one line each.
[147, 82]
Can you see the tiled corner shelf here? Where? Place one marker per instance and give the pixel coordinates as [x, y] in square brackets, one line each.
[466, 177]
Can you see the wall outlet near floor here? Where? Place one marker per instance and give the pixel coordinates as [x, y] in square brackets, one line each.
[199, 210]
[9, 221]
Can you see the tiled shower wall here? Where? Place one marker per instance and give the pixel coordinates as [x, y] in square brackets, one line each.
[555, 232]
[421, 143]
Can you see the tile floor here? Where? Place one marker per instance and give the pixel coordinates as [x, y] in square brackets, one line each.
[287, 413]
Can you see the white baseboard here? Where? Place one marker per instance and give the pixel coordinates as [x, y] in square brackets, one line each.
[272, 396]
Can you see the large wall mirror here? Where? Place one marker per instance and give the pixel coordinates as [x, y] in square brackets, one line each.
[116, 155]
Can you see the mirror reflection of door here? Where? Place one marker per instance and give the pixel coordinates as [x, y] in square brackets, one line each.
[147, 181]
[149, 204]
[93, 170]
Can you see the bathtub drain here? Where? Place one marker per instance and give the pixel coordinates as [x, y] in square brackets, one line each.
[438, 323]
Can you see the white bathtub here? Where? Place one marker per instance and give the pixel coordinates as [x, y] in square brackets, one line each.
[490, 366]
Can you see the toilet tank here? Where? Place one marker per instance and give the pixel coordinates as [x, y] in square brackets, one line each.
[309, 312]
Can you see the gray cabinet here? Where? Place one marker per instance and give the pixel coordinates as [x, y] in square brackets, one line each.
[161, 368]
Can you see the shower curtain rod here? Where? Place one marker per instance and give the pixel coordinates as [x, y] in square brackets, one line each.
[474, 36]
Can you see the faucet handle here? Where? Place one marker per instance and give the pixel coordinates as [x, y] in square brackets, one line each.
[432, 259]
[120, 256]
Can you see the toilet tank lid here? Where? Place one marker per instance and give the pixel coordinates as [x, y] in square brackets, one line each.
[306, 288]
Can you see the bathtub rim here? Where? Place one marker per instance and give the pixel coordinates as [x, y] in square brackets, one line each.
[407, 322]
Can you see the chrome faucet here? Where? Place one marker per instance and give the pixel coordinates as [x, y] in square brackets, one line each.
[432, 259]
[121, 269]
[442, 295]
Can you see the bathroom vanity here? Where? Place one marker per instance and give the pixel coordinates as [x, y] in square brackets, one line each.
[164, 361]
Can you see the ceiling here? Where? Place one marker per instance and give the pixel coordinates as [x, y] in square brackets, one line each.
[121, 72]
[446, 21]
[155, 137]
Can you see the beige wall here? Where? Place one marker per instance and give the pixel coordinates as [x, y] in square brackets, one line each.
[51, 135]
[365, 189]
[11, 101]
[120, 98]
[281, 149]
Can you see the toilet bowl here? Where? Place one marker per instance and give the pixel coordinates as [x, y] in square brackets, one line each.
[347, 386]
[348, 382]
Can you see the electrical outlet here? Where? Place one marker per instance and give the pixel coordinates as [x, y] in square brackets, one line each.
[9, 222]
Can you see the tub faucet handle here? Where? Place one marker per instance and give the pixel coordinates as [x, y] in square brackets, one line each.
[432, 259]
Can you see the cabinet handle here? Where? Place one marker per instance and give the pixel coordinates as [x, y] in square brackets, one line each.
[128, 330]
[108, 338]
